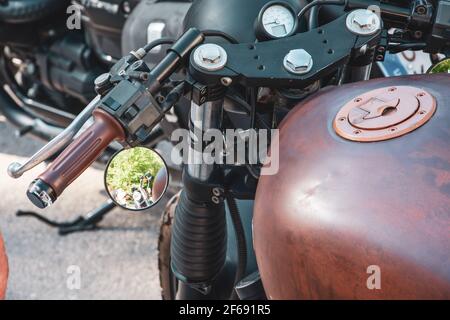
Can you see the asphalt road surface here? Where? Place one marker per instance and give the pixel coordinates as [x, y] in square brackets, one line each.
[117, 262]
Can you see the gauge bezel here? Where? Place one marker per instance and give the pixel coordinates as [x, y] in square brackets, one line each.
[261, 32]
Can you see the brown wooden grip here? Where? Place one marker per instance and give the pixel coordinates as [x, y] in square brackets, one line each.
[82, 152]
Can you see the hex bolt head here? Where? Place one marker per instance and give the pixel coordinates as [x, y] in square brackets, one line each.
[298, 61]
[363, 22]
[210, 57]
[210, 54]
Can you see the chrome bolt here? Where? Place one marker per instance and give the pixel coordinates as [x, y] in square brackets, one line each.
[210, 57]
[210, 54]
[298, 61]
[363, 22]
[226, 81]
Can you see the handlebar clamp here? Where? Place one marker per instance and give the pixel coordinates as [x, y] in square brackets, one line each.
[134, 107]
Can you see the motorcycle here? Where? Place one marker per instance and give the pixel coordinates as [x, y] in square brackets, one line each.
[354, 190]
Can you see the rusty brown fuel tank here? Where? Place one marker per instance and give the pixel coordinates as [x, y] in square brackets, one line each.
[3, 269]
[345, 218]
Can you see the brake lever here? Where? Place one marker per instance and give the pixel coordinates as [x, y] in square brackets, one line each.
[16, 170]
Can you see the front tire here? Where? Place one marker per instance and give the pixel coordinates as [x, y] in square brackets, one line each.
[168, 282]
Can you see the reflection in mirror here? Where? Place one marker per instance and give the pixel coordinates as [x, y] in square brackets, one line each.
[441, 67]
[136, 178]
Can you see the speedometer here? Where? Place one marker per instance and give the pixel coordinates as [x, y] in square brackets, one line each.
[276, 20]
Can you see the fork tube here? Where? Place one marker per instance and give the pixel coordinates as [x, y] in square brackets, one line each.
[203, 117]
[199, 234]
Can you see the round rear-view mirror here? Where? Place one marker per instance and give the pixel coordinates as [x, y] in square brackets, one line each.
[136, 178]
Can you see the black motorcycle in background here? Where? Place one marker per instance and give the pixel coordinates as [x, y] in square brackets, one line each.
[51, 51]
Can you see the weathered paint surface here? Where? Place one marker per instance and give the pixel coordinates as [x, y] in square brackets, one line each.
[337, 208]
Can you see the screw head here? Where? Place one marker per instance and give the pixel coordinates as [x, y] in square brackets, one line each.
[226, 81]
[421, 10]
[126, 7]
[298, 61]
[210, 57]
[102, 83]
[363, 22]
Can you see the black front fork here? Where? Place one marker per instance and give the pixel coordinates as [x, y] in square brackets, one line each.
[199, 237]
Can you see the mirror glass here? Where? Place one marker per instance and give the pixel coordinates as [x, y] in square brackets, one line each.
[441, 67]
[136, 178]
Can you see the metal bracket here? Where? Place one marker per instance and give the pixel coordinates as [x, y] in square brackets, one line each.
[261, 64]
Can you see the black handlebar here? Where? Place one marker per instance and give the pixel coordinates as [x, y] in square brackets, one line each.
[431, 19]
[392, 13]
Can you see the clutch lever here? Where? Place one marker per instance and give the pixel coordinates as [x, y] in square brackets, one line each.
[16, 170]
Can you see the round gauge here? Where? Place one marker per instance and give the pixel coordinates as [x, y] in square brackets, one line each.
[277, 20]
